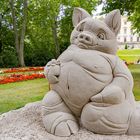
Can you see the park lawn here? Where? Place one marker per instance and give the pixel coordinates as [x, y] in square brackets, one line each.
[129, 55]
[135, 70]
[129, 59]
[16, 95]
[129, 52]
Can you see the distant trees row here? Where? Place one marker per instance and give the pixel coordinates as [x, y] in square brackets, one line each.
[34, 31]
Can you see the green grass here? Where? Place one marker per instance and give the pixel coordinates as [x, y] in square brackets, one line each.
[16, 95]
[135, 70]
[130, 59]
[129, 55]
[129, 52]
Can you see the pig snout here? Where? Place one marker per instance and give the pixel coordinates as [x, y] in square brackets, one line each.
[87, 38]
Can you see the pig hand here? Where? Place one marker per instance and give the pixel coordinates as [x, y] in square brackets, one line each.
[52, 71]
[108, 96]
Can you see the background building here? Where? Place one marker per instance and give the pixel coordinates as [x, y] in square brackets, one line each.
[126, 37]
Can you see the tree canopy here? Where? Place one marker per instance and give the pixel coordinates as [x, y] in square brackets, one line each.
[36, 31]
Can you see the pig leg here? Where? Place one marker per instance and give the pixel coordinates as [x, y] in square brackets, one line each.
[134, 127]
[106, 119]
[57, 118]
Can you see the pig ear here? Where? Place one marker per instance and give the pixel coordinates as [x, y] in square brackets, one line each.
[78, 15]
[113, 20]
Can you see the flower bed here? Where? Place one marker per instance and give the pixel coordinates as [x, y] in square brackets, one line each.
[20, 77]
[11, 70]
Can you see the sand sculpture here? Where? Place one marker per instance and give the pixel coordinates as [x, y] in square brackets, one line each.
[90, 85]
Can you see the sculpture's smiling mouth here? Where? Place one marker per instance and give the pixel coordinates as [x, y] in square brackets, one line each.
[82, 45]
[85, 46]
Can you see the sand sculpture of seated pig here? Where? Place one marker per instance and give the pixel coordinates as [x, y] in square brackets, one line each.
[89, 83]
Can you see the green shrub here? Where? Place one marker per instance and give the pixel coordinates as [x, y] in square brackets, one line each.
[37, 56]
[126, 46]
[8, 58]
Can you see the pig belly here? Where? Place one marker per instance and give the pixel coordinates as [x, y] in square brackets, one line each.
[76, 85]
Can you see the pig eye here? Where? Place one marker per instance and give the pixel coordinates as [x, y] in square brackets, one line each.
[79, 29]
[101, 36]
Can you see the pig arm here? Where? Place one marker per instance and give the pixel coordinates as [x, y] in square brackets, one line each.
[119, 89]
[52, 69]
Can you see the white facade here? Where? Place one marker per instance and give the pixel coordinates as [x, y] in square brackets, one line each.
[126, 35]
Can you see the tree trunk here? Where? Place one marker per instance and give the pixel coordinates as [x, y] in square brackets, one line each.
[19, 37]
[0, 33]
[22, 36]
[21, 57]
[15, 27]
[54, 31]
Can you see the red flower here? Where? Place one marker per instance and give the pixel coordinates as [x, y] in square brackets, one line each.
[23, 69]
[20, 77]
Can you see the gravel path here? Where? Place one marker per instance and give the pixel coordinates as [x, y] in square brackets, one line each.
[26, 124]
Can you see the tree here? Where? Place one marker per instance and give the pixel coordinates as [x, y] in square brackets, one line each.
[8, 56]
[0, 33]
[50, 23]
[19, 18]
[135, 17]
[128, 7]
[5, 31]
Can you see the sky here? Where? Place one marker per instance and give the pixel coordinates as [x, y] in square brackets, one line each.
[98, 10]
